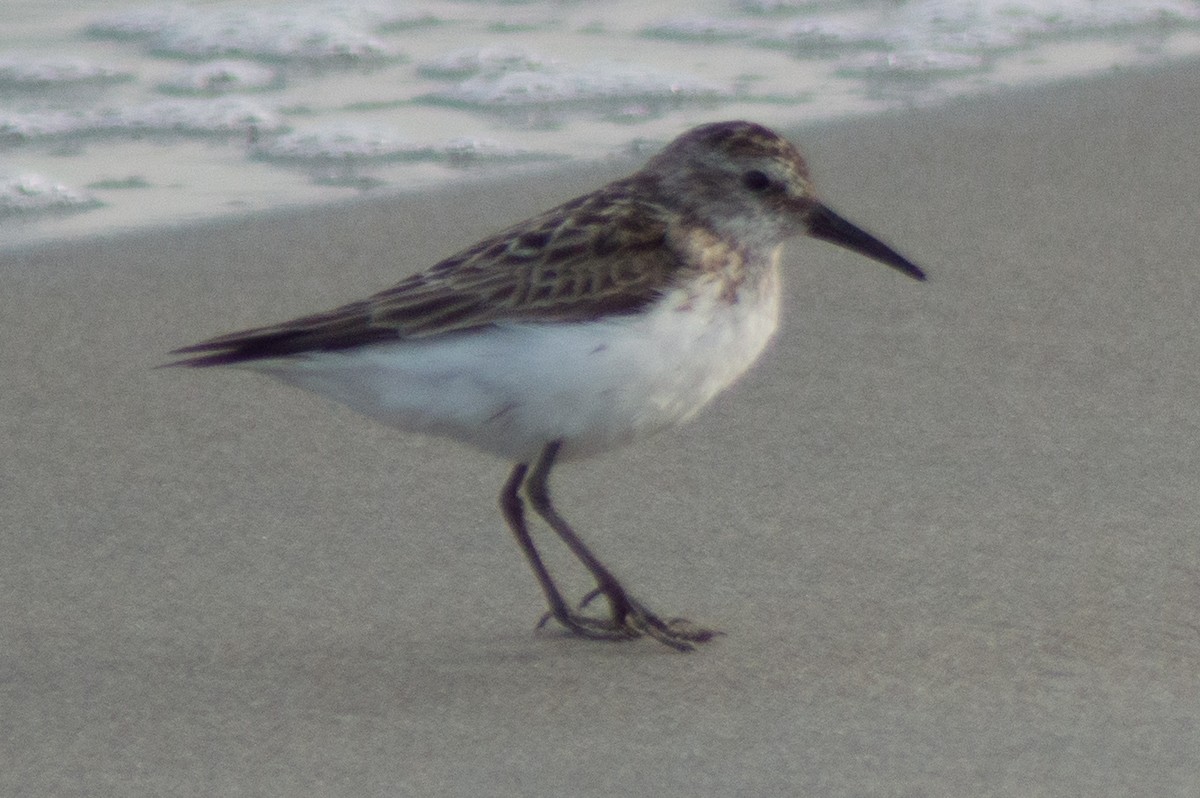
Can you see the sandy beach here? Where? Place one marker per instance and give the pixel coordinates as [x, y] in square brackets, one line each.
[949, 528]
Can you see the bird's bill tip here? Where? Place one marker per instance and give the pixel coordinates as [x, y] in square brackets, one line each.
[825, 224]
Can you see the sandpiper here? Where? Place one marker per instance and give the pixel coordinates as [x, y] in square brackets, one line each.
[610, 317]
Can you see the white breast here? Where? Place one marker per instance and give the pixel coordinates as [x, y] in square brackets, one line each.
[511, 389]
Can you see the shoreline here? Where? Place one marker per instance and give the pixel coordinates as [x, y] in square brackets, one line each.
[584, 174]
[948, 527]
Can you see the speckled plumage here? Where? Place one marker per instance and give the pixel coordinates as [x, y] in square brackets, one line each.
[607, 318]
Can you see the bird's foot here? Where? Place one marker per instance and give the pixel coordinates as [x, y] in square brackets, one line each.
[630, 619]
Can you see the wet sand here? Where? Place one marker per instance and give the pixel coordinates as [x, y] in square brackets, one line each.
[950, 528]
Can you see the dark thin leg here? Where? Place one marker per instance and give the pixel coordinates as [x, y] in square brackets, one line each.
[628, 615]
[537, 488]
[514, 512]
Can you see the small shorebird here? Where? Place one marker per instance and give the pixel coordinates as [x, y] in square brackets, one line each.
[613, 316]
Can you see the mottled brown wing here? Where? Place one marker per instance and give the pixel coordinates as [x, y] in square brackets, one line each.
[604, 253]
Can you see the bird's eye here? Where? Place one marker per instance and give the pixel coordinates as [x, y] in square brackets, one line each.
[756, 181]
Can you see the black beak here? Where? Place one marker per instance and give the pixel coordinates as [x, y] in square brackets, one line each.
[823, 223]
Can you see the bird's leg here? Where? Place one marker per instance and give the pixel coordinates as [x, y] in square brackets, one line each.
[514, 512]
[628, 615]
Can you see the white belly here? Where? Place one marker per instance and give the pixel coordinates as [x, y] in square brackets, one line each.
[511, 389]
